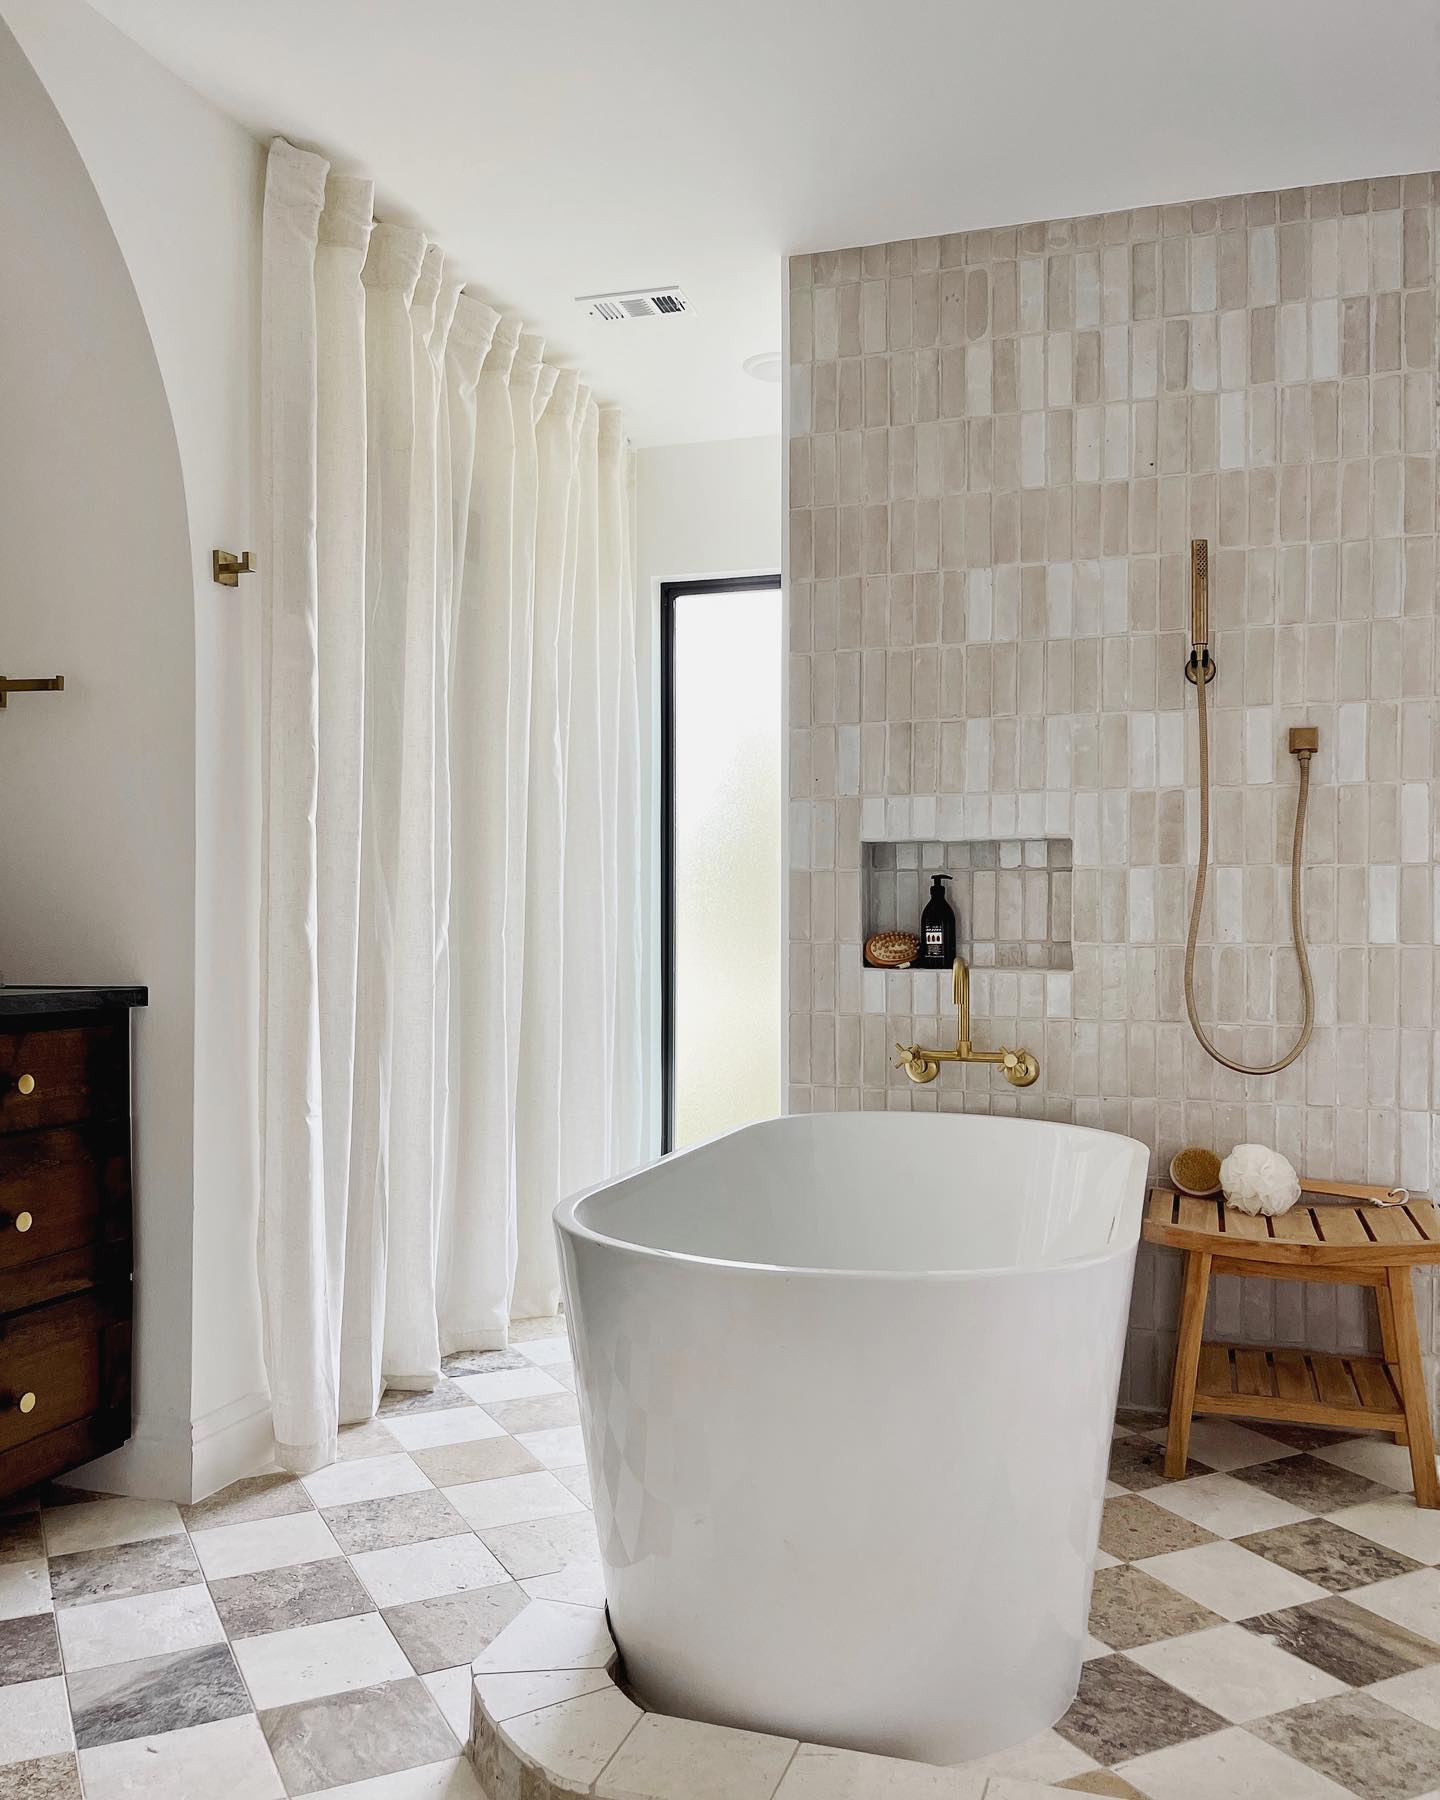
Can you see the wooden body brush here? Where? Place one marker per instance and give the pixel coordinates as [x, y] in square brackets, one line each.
[1195, 1171]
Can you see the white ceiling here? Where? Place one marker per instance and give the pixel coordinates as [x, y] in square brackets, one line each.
[563, 147]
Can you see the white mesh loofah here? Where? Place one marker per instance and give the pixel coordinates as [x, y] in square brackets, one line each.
[1257, 1180]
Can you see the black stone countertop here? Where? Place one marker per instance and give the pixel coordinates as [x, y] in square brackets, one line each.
[22, 1002]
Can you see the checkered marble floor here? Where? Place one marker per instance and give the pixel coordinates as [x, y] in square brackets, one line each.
[1268, 1626]
[288, 1636]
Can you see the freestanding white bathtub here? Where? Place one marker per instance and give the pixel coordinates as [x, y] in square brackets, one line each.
[846, 1383]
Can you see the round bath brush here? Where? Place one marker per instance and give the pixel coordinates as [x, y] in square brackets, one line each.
[892, 949]
[1196, 1171]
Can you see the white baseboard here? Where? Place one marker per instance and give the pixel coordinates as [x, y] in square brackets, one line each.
[185, 1460]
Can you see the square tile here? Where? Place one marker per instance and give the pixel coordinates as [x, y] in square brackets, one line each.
[454, 1628]
[357, 1735]
[397, 1402]
[1046, 1757]
[1416, 1692]
[453, 1692]
[1230, 1763]
[228, 1757]
[577, 1479]
[548, 1635]
[43, 1778]
[1229, 1580]
[24, 1587]
[29, 1648]
[450, 1425]
[481, 1362]
[1236, 1673]
[1375, 1457]
[21, 1539]
[1397, 1523]
[575, 1739]
[512, 1499]
[556, 1449]
[448, 1565]
[368, 1439]
[114, 1631]
[122, 1570]
[578, 1583]
[1223, 1444]
[1312, 1484]
[1122, 1711]
[1138, 1463]
[1368, 1747]
[383, 1524]
[663, 1757]
[544, 1347]
[1325, 1552]
[263, 1544]
[479, 1459]
[298, 1594]
[1226, 1506]
[516, 1383]
[311, 1660]
[34, 1719]
[1412, 1601]
[541, 1412]
[540, 1546]
[453, 1779]
[1132, 1526]
[364, 1478]
[156, 1694]
[96, 1524]
[1345, 1640]
[256, 1497]
[1128, 1607]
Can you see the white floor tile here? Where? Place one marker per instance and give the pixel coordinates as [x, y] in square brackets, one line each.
[577, 1479]
[546, 1349]
[365, 1478]
[509, 1384]
[34, 1720]
[446, 1425]
[1397, 1523]
[1416, 1692]
[1231, 1581]
[549, 1635]
[310, 1660]
[116, 1631]
[576, 1739]
[436, 1781]
[1221, 1504]
[511, 1499]
[450, 1565]
[229, 1757]
[580, 1583]
[1227, 1765]
[702, 1762]
[263, 1544]
[1409, 1600]
[97, 1524]
[557, 1448]
[24, 1587]
[1235, 1673]
[1376, 1457]
[453, 1690]
[1223, 1445]
[820, 1773]
[1045, 1757]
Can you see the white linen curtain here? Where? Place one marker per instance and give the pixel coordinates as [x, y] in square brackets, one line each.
[451, 965]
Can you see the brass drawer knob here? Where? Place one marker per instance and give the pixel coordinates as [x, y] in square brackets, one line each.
[26, 1084]
[22, 1221]
[27, 1403]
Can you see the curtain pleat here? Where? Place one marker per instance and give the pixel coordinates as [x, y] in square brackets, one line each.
[451, 810]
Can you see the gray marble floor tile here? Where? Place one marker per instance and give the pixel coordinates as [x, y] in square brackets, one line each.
[357, 1735]
[543, 1412]
[406, 1400]
[454, 1628]
[397, 1519]
[29, 1648]
[1357, 1740]
[1310, 1482]
[526, 1331]
[481, 1459]
[1139, 1418]
[1104, 1782]
[1132, 1527]
[483, 1362]
[1328, 1554]
[1123, 1710]
[277, 1599]
[42, 1778]
[257, 1497]
[1345, 1640]
[1129, 1607]
[1301, 1437]
[541, 1545]
[1138, 1463]
[20, 1535]
[115, 1573]
[155, 1694]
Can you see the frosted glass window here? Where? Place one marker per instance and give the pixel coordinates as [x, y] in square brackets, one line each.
[725, 666]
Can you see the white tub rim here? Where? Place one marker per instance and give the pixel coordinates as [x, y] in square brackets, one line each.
[566, 1217]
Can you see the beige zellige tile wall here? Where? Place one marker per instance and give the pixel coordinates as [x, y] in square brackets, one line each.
[1001, 443]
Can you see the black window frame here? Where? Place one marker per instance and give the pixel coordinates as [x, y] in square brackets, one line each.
[670, 592]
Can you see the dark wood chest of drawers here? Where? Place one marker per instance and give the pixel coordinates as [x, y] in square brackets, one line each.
[65, 1228]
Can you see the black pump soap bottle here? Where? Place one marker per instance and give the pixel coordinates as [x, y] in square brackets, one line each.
[937, 928]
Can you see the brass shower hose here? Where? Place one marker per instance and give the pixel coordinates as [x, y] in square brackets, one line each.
[1297, 926]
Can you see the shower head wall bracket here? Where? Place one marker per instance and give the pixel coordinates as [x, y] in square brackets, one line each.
[1200, 658]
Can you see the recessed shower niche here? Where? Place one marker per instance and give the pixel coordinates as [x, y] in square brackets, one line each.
[1011, 896]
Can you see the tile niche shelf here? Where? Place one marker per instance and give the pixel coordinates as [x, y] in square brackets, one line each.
[1011, 896]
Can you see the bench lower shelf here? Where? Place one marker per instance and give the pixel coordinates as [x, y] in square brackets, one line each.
[1305, 1387]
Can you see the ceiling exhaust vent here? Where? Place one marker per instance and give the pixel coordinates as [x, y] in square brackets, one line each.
[634, 303]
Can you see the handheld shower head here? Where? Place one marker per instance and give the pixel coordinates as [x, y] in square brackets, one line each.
[1200, 657]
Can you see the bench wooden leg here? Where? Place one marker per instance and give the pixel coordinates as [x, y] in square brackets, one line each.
[1412, 1385]
[1187, 1360]
[1387, 1339]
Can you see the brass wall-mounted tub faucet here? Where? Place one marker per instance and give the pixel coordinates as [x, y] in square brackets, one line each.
[1018, 1067]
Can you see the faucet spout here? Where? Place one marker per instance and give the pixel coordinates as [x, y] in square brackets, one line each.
[921, 1064]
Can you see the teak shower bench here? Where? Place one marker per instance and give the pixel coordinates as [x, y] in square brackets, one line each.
[1359, 1245]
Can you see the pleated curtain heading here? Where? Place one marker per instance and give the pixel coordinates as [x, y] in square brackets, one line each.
[451, 964]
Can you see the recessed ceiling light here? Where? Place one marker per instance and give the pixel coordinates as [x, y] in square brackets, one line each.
[764, 367]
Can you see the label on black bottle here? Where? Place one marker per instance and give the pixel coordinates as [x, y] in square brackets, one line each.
[934, 940]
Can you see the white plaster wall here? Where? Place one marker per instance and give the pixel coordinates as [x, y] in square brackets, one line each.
[701, 510]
